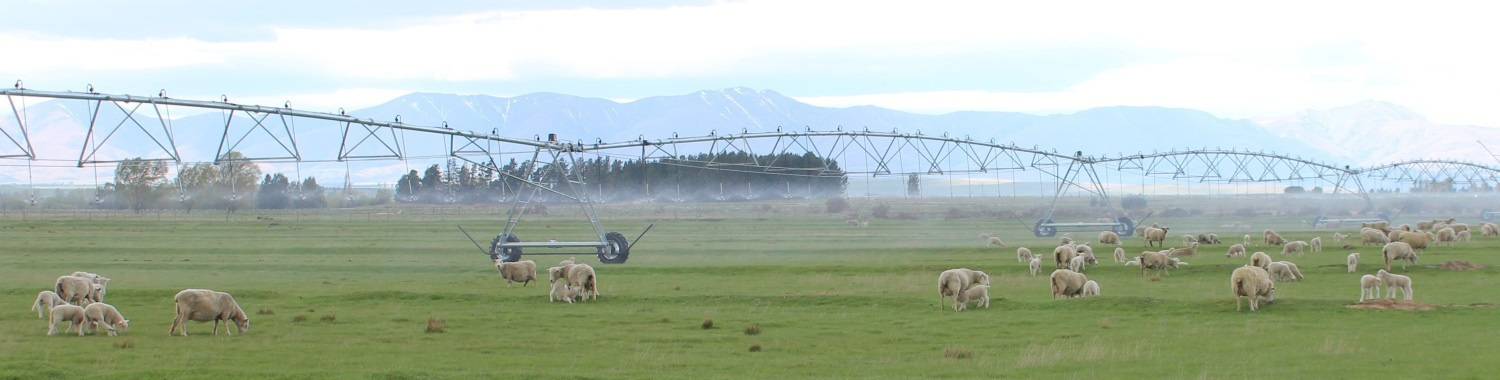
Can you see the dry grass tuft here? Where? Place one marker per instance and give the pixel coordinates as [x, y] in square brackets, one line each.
[1105, 323]
[957, 353]
[327, 318]
[708, 323]
[753, 329]
[1390, 304]
[266, 311]
[299, 318]
[1156, 277]
[436, 325]
[125, 343]
[755, 348]
[1459, 265]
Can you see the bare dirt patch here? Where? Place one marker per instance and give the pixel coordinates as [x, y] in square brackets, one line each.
[1459, 265]
[1390, 304]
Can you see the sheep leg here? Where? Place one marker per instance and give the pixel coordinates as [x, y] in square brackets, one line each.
[216, 327]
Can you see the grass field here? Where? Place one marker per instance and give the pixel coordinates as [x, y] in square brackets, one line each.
[349, 295]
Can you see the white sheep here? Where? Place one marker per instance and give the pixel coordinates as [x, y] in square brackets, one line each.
[1394, 282]
[1398, 251]
[1291, 247]
[976, 293]
[1063, 253]
[1036, 266]
[952, 283]
[1353, 261]
[1156, 260]
[1087, 252]
[1191, 250]
[1247, 240]
[995, 242]
[1316, 243]
[45, 301]
[523, 271]
[1458, 227]
[1260, 259]
[100, 313]
[1213, 239]
[1253, 282]
[1282, 271]
[570, 261]
[864, 224]
[1067, 283]
[1272, 238]
[580, 275]
[1077, 264]
[561, 291]
[852, 222]
[1445, 235]
[1339, 238]
[1237, 250]
[1369, 287]
[1023, 254]
[1369, 236]
[1109, 237]
[1156, 235]
[1489, 229]
[203, 305]
[1463, 236]
[1090, 288]
[75, 290]
[1065, 240]
[1120, 254]
[72, 314]
[1189, 239]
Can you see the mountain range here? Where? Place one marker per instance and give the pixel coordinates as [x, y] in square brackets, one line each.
[1362, 134]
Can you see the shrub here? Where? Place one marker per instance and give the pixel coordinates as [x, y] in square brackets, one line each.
[436, 325]
[708, 323]
[837, 205]
[881, 211]
[753, 329]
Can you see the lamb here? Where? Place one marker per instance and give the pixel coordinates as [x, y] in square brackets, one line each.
[1458, 227]
[1369, 288]
[1156, 235]
[1253, 282]
[1426, 224]
[1282, 271]
[1316, 243]
[1295, 246]
[1237, 250]
[1062, 254]
[1247, 240]
[976, 293]
[580, 275]
[75, 290]
[1463, 236]
[1090, 288]
[72, 314]
[203, 305]
[1109, 237]
[1087, 252]
[1189, 239]
[102, 313]
[1272, 238]
[994, 242]
[1036, 266]
[1076, 264]
[1339, 238]
[1260, 259]
[1372, 236]
[1398, 251]
[1353, 261]
[1156, 260]
[96, 293]
[561, 291]
[92, 277]
[1445, 235]
[1119, 254]
[1417, 240]
[523, 271]
[1023, 254]
[1394, 282]
[1067, 283]
[45, 300]
[1213, 239]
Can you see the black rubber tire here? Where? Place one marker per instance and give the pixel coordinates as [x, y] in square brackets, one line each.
[616, 249]
[1126, 228]
[1047, 231]
[509, 255]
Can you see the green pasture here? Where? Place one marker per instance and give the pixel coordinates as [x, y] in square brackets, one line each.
[349, 293]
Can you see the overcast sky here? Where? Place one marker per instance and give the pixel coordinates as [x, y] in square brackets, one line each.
[1240, 59]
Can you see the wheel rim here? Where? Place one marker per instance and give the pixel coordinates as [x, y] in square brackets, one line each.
[611, 250]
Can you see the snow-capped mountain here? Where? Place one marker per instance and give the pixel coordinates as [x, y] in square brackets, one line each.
[1373, 132]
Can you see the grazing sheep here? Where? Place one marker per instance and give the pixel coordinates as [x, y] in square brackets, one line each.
[100, 313]
[1425, 225]
[1063, 253]
[1339, 238]
[1372, 236]
[852, 222]
[994, 242]
[72, 314]
[1067, 283]
[1353, 261]
[952, 283]
[1445, 235]
[1284, 271]
[1458, 227]
[1489, 229]
[1120, 254]
[1077, 264]
[1109, 237]
[1291, 247]
[976, 293]
[1087, 252]
[1237, 250]
[523, 271]
[1398, 251]
[1394, 282]
[1260, 259]
[1463, 236]
[584, 277]
[569, 261]
[1417, 240]
[561, 291]
[1272, 238]
[1404, 227]
[1396, 235]
[1156, 235]
[92, 277]
[1316, 243]
[1213, 239]
[1156, 260]
[96, 293]
[1189, 239]
[203, 305]
[1023, 254]
[73, 289]
[864, 224]
[1090, 288]
[1247, 240]
[1065, 240]
[1381, 225]
[1036, 266]
[45, 301]
[1253, 282]
[1369, 287]
[1140, 231]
